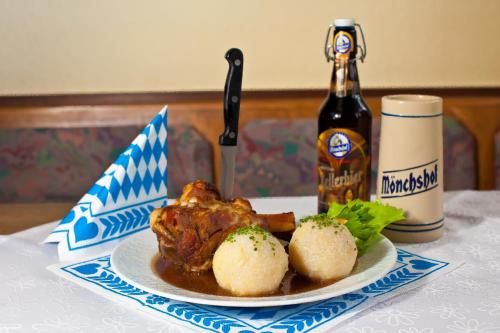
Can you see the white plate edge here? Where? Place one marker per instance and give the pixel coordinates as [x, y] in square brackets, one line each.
[266, 301]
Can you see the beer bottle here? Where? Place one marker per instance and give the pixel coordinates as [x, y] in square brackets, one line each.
[344, 124]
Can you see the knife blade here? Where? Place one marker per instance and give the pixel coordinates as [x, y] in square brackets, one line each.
[228, 140]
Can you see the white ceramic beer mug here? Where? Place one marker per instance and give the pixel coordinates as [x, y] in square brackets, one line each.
[410, 170]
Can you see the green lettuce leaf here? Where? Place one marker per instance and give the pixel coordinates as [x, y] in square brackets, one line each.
[365, 220]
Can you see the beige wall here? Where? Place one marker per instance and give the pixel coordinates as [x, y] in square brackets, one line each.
[72, 46]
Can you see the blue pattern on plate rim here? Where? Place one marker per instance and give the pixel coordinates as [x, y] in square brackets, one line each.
[292, 318]
[120, 201]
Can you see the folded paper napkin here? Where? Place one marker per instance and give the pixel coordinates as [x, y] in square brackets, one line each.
[410, 271]
[119, 202]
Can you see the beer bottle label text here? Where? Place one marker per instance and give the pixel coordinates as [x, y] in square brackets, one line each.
[343, 162]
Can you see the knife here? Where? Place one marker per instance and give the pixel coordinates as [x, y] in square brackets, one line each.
[229, 138]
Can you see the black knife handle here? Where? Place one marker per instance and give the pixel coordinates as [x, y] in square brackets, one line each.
[232, 95]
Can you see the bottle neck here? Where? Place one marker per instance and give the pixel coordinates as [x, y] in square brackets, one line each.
[345, 81]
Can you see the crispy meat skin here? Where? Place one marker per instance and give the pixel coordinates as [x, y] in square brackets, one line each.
[190, 230]
[198, 191]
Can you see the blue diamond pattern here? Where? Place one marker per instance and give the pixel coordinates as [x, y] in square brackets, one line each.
[114, 188]
[136, 154]
[146, 152]
[157, 179]
[136, 184]
[126, 186]
[157, 150]
[147, 181]
[157, 122]
[100, 207]
[122, 160]
[103, 195]
[146, 130]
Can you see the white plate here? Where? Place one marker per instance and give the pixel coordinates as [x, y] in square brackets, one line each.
[131, 260]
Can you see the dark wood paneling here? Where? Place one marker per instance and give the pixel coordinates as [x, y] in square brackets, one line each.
[204, 111]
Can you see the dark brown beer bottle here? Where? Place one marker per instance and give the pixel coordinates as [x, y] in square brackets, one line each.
[344, 126]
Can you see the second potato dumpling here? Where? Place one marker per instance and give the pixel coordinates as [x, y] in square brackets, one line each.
[250, 262]
[322, 249]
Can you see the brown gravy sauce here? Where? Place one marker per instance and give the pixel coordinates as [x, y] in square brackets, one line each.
[205, 282]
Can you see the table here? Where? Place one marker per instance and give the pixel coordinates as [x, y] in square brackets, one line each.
[466, 300]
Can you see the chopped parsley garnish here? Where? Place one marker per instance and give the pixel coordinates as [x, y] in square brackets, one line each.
[321, 221]
[254, 233]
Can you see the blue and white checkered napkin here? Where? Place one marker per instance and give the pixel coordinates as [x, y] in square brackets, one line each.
[410, 271]
[119, 202]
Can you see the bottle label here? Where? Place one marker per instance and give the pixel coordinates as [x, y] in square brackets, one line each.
[343, 162]
[339, 145]
[342, 42]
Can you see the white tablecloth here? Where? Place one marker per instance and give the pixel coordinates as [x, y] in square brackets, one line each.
[467, 300]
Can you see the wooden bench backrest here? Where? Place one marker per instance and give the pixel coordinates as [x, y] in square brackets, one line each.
[477, 109]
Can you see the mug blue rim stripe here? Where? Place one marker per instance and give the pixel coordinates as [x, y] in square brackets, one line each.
[417, 224]
[409, 116]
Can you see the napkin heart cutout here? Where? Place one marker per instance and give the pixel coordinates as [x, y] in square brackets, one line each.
[84, 230]
[87, 269]
[421, 264]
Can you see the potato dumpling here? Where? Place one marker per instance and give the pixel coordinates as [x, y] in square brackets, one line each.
[322, 249]
[250, 262]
